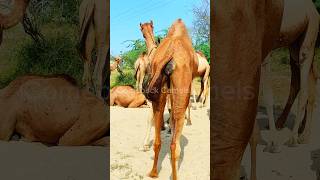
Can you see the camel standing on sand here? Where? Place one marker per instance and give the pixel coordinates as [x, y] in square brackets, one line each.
[299, 32]
[243, 35]
[140, 67]
[116, 65]
[94, 34]
[126, 96]
[52, 110]
[176, 47]
[13, 17]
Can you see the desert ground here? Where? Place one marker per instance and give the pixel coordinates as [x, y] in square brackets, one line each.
[128, 128]
[21, 160]
[292, 163]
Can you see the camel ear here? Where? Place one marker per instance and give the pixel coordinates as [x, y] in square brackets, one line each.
[151, 22]
[158, 40]
[141, 25]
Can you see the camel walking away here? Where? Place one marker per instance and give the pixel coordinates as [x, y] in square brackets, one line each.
[52, 110]
[142, 63]
[299, 32]
[15, 16]
[243, 35]
[127, 96]
[94, 34]
[176, 47]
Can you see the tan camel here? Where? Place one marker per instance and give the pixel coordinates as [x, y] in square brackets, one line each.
[243, 35]
[94, 34]
[299, 32]
[177, 46]
[127, 96]
[116, 64]
[13, 17]
[52, 110]
[140, 67]
[142, 63]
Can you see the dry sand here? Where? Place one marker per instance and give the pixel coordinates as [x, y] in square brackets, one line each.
[128, 128]
[293, 163]
[34, 161]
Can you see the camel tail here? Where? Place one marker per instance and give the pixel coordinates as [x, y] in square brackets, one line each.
[165, 66]
[85, 16]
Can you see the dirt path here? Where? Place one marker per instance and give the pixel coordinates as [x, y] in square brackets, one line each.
[127, 133]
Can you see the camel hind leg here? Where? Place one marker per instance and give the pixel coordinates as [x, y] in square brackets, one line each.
[7, 125]
[150, 123]
[306, 58]
[294, 86]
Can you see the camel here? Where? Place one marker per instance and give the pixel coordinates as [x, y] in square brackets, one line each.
[14, 17]
[52, 110]
[140, 67]
[116, 65]
[299, 32]
[94, 35]
[177, 48]
[243, 34]
[126, 96]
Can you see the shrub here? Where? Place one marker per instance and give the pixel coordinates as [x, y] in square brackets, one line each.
[55, 55]
[127, 78]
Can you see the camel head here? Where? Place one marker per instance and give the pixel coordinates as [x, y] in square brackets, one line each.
[147, 31]
[178, 28]
[118, 60]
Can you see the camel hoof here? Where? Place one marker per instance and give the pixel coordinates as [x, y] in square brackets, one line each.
[189, 123]
[153, 174]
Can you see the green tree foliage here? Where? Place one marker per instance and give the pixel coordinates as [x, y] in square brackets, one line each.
[317, 4]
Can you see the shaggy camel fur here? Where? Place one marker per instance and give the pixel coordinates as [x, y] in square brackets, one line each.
[299, 32]
[243, 35]
[52, 110]
[13, 17]
[94, 34]
[177, 48]
[126, 96]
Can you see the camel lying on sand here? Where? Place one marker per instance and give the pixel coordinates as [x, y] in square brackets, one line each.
[177, 46]
[52, 110]
[94, 35]
[126, 96]
[243, 34]
[299, 32]
[14, 17]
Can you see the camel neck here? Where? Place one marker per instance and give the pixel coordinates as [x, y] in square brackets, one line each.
[150, 44]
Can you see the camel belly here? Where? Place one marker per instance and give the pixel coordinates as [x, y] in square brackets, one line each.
[294, 22]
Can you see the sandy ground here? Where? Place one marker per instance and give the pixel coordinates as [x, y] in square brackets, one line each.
[20, 160]
[127, 133]
[293, 163]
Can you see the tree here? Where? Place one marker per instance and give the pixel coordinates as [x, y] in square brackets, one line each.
[201, 24]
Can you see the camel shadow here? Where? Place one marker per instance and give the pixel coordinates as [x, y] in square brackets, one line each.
[165, 149]
[315, 157]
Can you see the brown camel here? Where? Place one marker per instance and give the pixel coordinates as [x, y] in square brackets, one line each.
[94, 34]
[126, 96]
[13, 17]
[116, 64]
[52, 110]
[177, 46]
[299, 32]
[243, 35]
